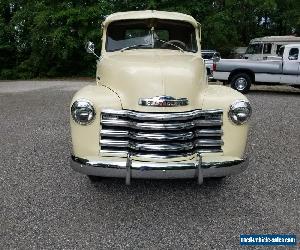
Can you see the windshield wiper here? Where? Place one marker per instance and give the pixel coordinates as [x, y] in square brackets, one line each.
[136, 46]
[168, 42]
[150, 44]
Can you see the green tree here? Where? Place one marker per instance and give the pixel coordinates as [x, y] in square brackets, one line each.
[46, 38]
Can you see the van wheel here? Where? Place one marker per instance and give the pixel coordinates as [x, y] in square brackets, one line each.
[241, 82]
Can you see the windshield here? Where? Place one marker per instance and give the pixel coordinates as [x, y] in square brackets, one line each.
[255, 48]
[151, 34]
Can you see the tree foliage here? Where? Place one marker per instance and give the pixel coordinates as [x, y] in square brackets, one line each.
[45, 38]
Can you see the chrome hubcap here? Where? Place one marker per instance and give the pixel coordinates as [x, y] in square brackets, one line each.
[240, 83]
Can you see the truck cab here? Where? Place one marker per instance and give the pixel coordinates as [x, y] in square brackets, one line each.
[151, 112]
[291, 65]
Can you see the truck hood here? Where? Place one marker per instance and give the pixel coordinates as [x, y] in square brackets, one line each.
[150, 73]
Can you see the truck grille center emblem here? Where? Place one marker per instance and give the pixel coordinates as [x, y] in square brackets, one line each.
[163, 101]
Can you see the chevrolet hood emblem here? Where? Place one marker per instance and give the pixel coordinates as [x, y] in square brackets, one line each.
[163, 101]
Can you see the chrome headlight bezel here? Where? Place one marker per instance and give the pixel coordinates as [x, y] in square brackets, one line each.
[240, 112]
[83, 105]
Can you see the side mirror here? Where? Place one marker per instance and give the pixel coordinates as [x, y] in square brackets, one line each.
[90, 48]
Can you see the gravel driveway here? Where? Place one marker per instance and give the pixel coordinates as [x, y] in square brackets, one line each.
[44, 204]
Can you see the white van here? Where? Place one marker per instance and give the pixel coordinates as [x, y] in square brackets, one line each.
[263, 47]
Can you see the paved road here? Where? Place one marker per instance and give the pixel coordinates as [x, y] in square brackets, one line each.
[44, 204]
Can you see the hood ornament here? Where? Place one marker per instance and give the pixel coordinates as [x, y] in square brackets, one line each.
[163, 101]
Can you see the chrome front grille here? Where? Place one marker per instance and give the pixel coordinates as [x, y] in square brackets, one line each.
[160, 134]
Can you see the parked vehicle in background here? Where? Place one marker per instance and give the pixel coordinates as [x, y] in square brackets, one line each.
[263, 47]
[208, 57]
[238, 52]
[242, 73]
[151, 113]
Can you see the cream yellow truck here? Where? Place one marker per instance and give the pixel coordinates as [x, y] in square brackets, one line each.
[151, 113]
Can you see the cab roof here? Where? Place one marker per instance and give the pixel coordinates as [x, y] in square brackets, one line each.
[292, 45]
[276, 39]
[147, 14]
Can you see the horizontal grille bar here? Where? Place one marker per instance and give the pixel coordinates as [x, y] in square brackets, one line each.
[174, 116]
[160, 126]
[167, 136]
[147, 154]
[209, 132]
[160, 146]
[160, 134]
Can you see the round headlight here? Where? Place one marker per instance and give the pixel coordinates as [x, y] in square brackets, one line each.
[240, 112]
[82, 112]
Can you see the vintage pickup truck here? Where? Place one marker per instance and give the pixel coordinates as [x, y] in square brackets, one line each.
[241, 73]
[151, 113]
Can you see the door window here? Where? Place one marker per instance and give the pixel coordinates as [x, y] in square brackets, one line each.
[293, 54]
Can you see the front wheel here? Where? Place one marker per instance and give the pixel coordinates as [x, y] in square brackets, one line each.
[241, 82]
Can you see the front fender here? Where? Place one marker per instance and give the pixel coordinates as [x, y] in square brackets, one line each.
[85, 138]
[235, 136]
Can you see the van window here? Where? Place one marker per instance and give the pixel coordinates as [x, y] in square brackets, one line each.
[278, 48]
[280, 51]
[254, 48]
[293, 55]
[267, 48]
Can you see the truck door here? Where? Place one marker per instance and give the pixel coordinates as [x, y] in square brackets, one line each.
[290, 69]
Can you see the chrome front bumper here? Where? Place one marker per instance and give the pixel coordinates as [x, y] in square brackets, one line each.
[129, 169]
